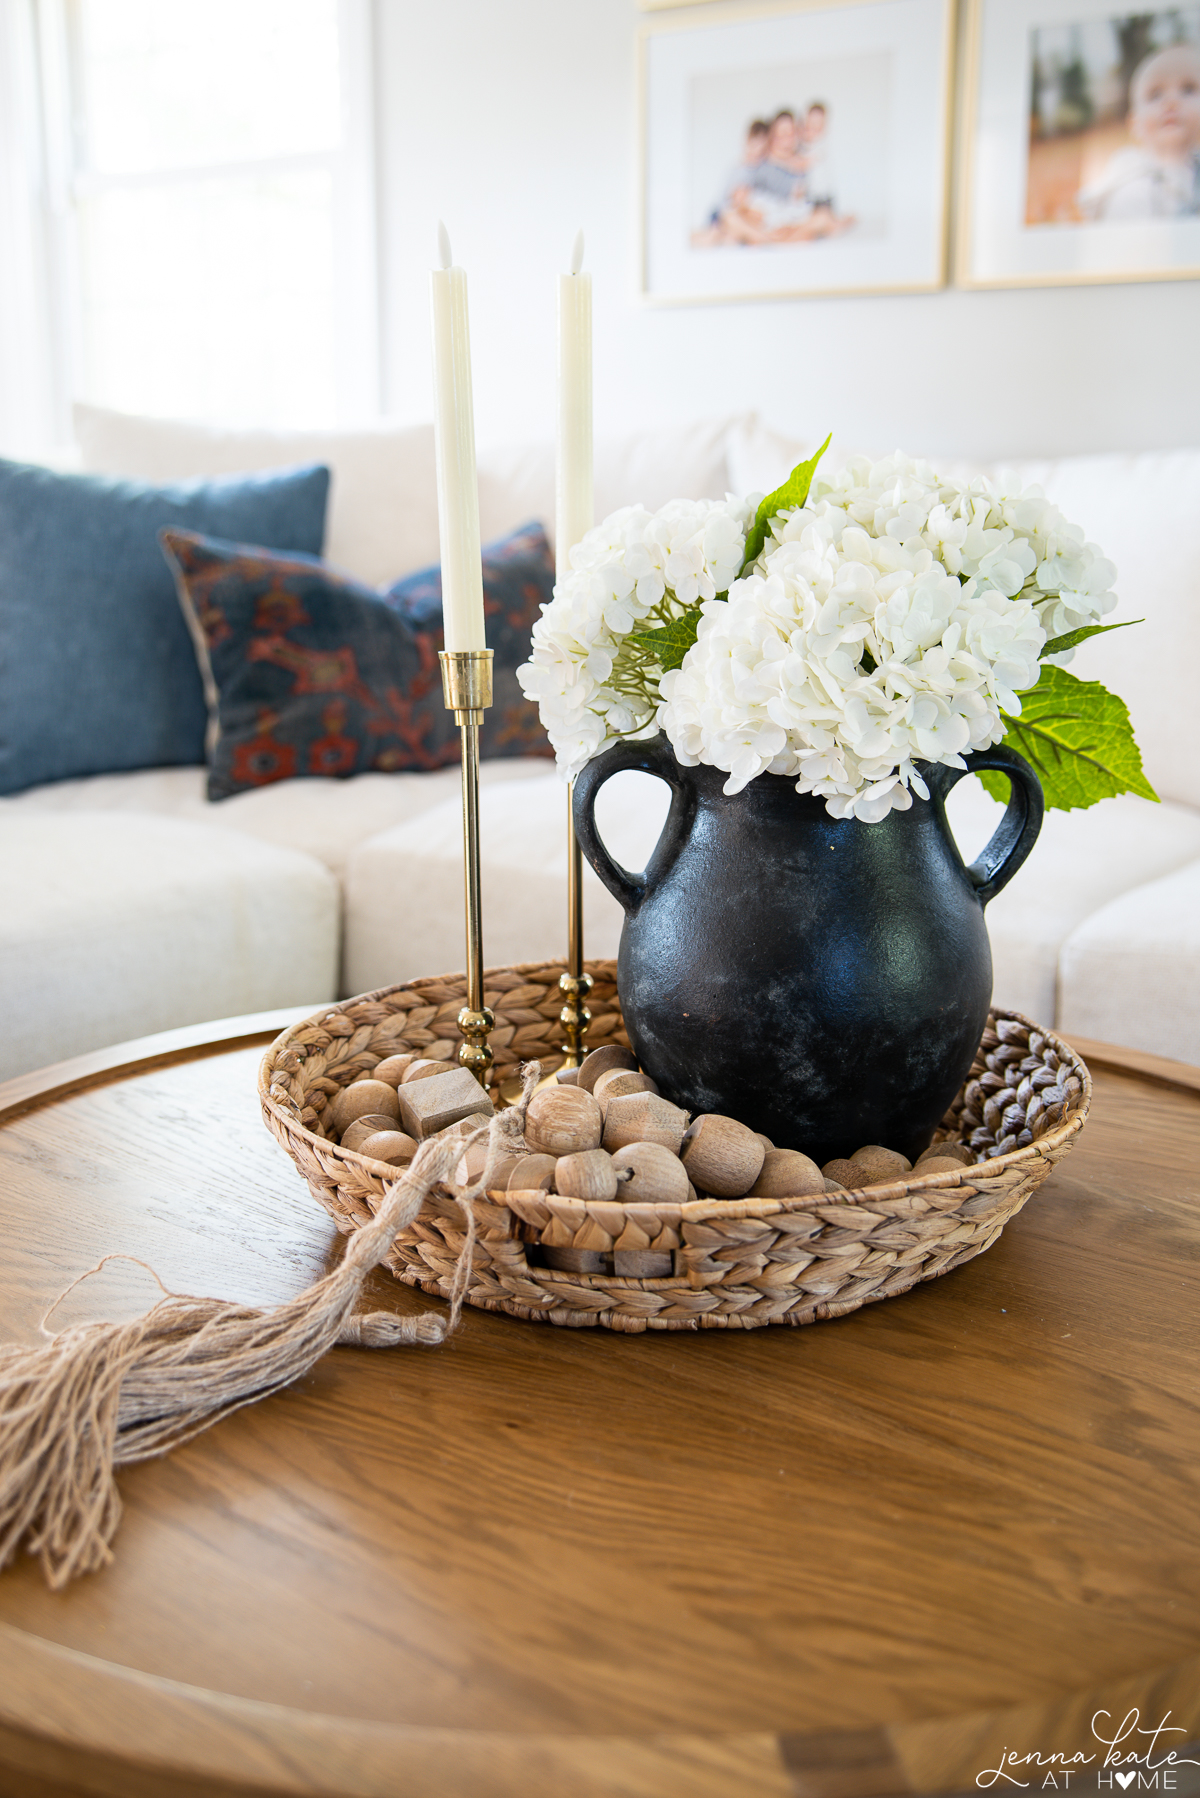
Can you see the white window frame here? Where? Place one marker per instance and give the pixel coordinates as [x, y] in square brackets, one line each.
[352, 168]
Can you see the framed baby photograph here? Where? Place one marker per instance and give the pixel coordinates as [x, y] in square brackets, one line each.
[800, 150]
[1081, 143]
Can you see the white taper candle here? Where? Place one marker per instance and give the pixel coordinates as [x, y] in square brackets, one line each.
[574, 499]
[454, 435]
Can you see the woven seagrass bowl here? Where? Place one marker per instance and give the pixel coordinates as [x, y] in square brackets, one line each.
[735, 1263]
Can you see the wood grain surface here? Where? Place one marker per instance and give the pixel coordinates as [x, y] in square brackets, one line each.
[852, 1560]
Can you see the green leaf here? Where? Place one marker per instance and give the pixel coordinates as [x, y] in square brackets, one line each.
[1056, 645]
[671, 642]
[1077, 736]
[793, 493]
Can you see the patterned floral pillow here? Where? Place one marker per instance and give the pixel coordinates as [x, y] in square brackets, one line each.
[306, 672]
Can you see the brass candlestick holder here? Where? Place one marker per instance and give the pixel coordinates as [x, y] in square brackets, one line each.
[467, 690]
[575, 985]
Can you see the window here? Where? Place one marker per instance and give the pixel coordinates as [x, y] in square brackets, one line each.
[217, 215]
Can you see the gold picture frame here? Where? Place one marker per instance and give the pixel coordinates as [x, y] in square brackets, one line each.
[881, 74]
[1014, 228]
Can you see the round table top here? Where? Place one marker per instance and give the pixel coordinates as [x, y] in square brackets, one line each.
[856, 1559]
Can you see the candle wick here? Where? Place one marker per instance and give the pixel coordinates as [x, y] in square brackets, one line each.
[444, 246]
[577, 253]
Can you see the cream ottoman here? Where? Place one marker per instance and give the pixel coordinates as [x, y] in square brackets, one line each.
[116, 925]
[1131, 972]
[1081, 861]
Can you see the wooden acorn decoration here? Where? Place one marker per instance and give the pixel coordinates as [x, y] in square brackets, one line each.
[357, 1133]
[787, 1174]
[389, 1145]
[618, 1081]
[643, 1117]
[603, 1061]
[532, 1173]
[588, 1175]
[658, 1177]
[722, 1157]
[422, 1070]
[563, 1120]
[393, 1068]
[360, 1098]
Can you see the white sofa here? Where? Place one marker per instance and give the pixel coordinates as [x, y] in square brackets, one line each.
[130, 903]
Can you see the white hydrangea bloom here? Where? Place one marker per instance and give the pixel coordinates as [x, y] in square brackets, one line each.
[630, 573]
[888, 621]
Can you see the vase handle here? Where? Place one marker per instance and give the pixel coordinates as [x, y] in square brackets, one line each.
[1016, 832]
[655, 756]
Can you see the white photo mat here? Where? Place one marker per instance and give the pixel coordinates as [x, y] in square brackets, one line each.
[882, 68]
[998, 246]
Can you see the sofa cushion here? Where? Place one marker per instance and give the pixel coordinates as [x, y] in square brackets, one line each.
[309, 673]
[97, 670]
[383, 506]
[1144, 512]
[646, 468]
[404, 888]
[116, 926]
[383, 497]
[1131, 972]
[323, 818]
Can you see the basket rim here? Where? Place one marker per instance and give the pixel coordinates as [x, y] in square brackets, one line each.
[696, 1211]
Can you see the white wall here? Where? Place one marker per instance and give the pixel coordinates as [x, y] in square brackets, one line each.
[515, 120]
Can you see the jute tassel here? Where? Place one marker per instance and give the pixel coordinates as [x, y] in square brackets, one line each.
[106, 1395]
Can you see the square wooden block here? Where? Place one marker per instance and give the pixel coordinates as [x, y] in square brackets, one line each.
[427, 1106]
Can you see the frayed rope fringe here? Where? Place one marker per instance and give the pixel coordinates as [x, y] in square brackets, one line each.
[106, 1395]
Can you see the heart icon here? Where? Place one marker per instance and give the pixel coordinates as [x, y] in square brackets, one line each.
[1125, 1780]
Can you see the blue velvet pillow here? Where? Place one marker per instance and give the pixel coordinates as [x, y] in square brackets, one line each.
[97, 669]
[310, 673]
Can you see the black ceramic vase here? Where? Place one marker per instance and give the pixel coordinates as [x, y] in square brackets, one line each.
[826, 982]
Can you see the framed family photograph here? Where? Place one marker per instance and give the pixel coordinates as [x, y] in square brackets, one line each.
[1081, 136]
[801, 150]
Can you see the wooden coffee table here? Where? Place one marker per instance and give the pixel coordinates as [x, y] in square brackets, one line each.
[848, 1561]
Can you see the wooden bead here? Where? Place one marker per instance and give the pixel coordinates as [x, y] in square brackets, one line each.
[428, 1104]
[938, 1164]
[575, 1261]
[787, 1174]
[618, 1081]
[563, 1120]
[658, 1177]
[533, 1173]
[589, 1175]
[642, 1264]
[389, 1145]
[957, 1150]
[567, 1076]
[466, 1126]
[361, 1128]
[422, 1070]
[842, 1171]
[393, 1068]
[643, 1117]
[364, 1096]
[502, 1170]
[766, 1142]
[600, 1061]
[832, 1185]
[877, 1164]
[722, 1157]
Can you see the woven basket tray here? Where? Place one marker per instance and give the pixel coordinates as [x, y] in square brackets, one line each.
[736, 1263]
